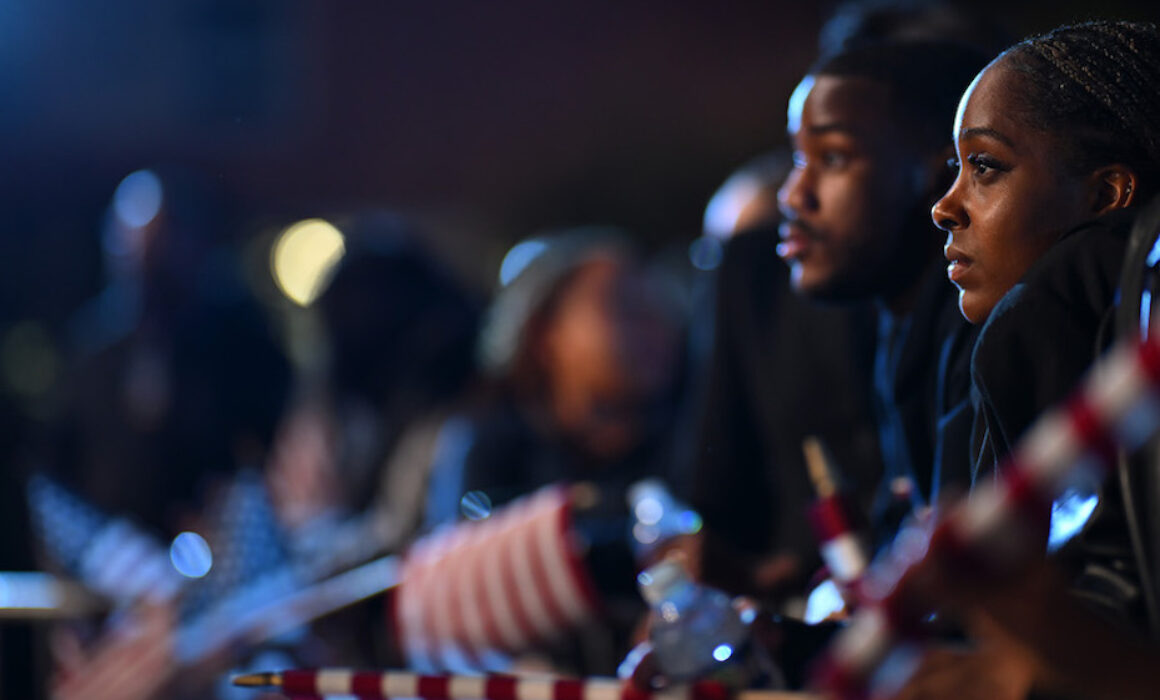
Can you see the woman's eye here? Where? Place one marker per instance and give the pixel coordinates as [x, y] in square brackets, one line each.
[954, 164]
[983, 165]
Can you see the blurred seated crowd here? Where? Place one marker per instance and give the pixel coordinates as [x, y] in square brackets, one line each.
[246, 422]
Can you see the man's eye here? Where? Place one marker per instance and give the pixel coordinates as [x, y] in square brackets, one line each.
[835, 159]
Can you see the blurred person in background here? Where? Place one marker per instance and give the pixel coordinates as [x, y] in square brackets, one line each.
[147, 486]
[781, 368]
[394, 333]
[583, 349]
[152, 343]
[397, 330]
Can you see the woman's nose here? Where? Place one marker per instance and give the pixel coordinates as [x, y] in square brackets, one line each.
[948, 213]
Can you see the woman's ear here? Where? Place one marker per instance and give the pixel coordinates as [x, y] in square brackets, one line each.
[1113, 187]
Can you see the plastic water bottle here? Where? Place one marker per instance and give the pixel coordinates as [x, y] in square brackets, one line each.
[701, 633]
[656, 516]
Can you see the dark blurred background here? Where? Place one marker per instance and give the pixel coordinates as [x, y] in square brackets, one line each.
[488, 120]
[483, 122]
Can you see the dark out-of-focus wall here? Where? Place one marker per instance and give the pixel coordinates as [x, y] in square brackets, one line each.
[490, 119]
[487, 119]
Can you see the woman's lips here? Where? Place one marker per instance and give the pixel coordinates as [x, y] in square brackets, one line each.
[958, 264]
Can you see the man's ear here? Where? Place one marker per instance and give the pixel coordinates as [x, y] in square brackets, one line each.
[1113, 187]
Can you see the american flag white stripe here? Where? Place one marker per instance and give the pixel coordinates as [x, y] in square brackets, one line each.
[474, 627]
[602, 689]
[443, 633]
[1049, 447]
[467, 687]
[536, 689]
[844, 557]
[334, 681]
[400, 685]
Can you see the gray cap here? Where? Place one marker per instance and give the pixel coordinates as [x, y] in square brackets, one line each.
[529, 274]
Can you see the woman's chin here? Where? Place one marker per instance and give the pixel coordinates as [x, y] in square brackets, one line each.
[974, 309]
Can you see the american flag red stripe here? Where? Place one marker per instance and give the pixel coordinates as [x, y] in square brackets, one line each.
[501, 688]
[512, 566]
[828, 519]
[988, 532]
[590, 600]
[541, 577]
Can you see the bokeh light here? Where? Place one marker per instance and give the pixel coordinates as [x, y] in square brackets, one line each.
[191, 555]
[304, 259]
[518, 258]
[137, 200]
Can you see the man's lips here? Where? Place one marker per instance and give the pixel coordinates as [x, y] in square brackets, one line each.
[958, 264]
[796, 240]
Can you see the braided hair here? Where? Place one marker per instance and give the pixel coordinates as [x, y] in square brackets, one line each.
[1096, 85]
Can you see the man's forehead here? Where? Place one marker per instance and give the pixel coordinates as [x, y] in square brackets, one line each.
[853, 104]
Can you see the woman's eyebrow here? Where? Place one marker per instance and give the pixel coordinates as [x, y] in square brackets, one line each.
[985, 131]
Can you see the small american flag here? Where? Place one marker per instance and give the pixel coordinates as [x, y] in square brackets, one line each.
[472, 593]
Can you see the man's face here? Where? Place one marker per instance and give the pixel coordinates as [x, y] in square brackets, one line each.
[854, 188]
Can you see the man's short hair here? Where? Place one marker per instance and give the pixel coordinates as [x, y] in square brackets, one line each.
[926, 79]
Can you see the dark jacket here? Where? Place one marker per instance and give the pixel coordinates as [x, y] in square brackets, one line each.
[922, 399]
[781, 369]
[1043, 335]
[1031, 355]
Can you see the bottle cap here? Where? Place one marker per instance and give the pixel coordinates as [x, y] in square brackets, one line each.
[659, 579]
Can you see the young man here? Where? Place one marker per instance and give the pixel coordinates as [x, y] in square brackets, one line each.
[868, 128]
[869, 131]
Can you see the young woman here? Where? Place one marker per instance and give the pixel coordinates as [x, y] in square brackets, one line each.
[1057, 142]
[1052, 139]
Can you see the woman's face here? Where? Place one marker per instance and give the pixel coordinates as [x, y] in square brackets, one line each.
[1011, 199]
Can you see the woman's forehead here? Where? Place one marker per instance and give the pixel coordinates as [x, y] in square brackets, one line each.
[988, 102]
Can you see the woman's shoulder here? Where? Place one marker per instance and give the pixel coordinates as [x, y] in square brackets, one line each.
[1083, 268]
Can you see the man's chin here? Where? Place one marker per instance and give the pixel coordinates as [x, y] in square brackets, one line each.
[811, 283]
[825, 288]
